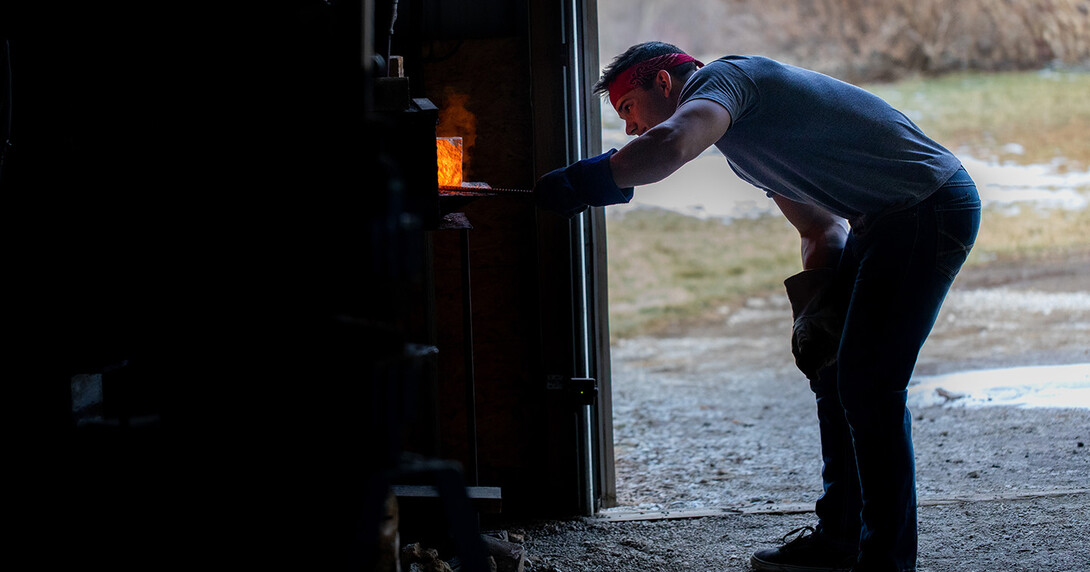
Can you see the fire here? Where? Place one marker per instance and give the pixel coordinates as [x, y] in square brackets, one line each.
[448, 152]
[455, 120]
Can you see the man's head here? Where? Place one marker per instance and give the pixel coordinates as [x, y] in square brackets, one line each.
[643, 83]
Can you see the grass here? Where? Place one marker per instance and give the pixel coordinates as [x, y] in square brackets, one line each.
[1022, 117]
[668, 270]
[1025, 234]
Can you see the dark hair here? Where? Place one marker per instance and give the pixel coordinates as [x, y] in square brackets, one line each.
[635, 55]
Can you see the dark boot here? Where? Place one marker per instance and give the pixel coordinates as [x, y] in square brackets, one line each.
[807, 552]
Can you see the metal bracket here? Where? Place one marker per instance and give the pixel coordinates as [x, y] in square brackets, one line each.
[581, 390]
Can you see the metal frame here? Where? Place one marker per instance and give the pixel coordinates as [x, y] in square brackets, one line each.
[567, 127]
[590, 316]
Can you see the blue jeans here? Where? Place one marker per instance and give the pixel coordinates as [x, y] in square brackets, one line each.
[895, 274]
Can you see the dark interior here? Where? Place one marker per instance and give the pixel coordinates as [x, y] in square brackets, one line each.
[241, 308]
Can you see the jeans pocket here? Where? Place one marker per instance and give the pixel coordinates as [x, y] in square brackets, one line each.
[957, 227]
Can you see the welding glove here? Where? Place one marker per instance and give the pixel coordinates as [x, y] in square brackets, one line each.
[570, 190]
[819, 321]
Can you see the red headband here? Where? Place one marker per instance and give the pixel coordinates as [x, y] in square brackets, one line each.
[632, 77]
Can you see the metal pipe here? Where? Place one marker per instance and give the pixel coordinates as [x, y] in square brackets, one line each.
[470, 382]
[390, 36]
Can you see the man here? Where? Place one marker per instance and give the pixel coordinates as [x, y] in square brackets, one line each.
[886, 216]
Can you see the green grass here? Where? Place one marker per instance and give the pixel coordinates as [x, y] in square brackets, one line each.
[668, 270]
[1046, 114]
[1027, 234]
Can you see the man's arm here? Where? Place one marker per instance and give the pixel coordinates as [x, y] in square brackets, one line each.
[663, 149]
[815, 305]
[823, 233]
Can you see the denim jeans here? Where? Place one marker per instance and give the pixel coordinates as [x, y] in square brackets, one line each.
[894, 274]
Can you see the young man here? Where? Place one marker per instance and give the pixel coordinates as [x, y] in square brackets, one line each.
[886, 216]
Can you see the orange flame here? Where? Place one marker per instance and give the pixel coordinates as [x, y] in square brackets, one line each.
[455, 120]
[448, 151]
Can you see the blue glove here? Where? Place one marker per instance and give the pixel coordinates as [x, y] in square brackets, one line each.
[570, 190]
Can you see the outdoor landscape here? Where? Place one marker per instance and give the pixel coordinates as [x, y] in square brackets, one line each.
[714, 429]
[667, 267]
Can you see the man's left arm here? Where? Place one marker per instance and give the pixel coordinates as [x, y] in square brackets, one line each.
[816, 307]
[823, 234]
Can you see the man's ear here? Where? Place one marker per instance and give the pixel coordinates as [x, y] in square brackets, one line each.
[664, 82]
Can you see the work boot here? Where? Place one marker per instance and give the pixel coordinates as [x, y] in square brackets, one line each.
[807, 552]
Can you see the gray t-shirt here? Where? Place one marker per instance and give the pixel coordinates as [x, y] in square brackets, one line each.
[818, 140]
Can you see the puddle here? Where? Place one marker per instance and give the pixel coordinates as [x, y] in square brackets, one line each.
[1031, 386]
[1038, 185]
[707, 188]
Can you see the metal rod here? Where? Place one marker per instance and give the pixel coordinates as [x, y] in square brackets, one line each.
[483, 190]
[471, 396]
[390, 36]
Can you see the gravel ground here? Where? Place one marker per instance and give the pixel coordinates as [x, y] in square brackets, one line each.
[717, 445]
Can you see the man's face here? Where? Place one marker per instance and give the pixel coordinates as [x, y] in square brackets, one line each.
[643, 108]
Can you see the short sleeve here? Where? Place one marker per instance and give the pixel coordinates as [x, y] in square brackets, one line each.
[725, 84]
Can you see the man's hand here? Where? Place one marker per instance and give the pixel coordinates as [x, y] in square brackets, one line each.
[570, 190]
[819, 321]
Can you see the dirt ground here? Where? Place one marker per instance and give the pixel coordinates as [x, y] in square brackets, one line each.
[717, 445]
